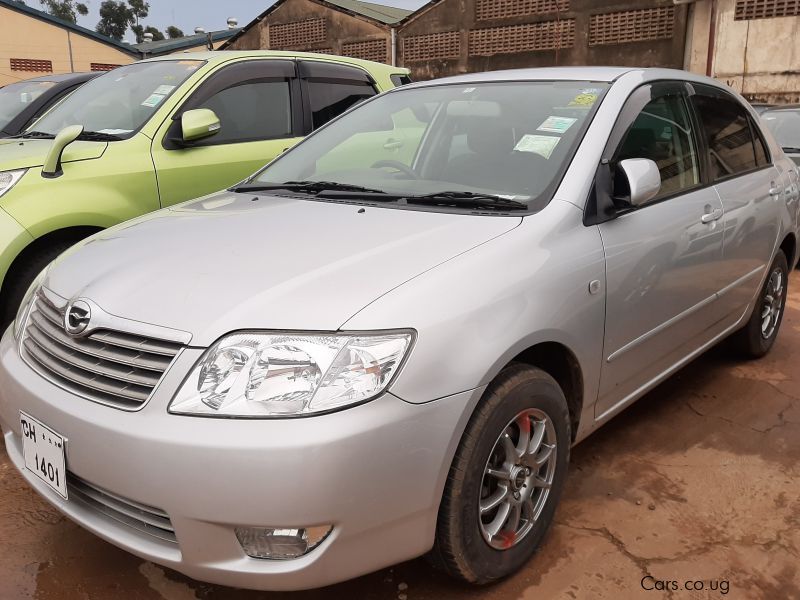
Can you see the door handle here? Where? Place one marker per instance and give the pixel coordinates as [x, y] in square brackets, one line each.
[774, 190]
[712, 216]
[392, 144]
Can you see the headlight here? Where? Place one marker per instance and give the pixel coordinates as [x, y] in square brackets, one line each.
[283, 374]
[9, 179]
[27, 302]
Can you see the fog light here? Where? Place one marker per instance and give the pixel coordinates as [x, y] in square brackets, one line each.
[280, 544]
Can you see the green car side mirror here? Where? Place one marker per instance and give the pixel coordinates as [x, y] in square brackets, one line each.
[198, 124]
[52, 163]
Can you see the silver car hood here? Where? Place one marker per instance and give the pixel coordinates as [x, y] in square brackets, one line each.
[237, 261]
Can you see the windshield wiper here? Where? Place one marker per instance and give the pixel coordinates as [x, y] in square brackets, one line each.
[312, 187]
[792, 149]
[98, 136]
[467, 200]
[37, 134]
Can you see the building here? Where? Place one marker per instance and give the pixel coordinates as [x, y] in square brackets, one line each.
[190, 43]
[460, 36]
[344, 27]
[754, 46]
[34, 43]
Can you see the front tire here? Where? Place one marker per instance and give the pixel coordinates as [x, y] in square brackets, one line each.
[20, 280]
[756, 338]
[506, 478]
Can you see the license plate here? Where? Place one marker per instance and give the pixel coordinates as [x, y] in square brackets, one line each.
[43, 450]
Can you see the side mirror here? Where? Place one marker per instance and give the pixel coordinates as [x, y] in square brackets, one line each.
[52, 162]
[198, 124]
[644, 179]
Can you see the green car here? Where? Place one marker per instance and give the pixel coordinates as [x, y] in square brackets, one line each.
[157, 132]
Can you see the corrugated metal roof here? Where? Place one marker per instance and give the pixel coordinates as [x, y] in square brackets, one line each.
[380, 12]
[38, 14]
[168, 46]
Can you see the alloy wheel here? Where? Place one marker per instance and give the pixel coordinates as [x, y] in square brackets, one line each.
[517, 479]
[772, 303]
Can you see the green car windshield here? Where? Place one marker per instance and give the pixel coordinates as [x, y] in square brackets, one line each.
[15, 97]
[511, 139]
[119, 102]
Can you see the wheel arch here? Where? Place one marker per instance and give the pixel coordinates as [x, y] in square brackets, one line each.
[58, 236]
[789, 247]
[558, 361]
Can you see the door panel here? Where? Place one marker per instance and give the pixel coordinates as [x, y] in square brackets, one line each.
[661, 265]
[751, 230]
[663, 257]
[749, 188]
[257, 103]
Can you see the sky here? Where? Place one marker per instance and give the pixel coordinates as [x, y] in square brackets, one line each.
[212, 15]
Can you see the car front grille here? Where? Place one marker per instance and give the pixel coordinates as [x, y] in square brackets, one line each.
[115, 368]
[151, 521]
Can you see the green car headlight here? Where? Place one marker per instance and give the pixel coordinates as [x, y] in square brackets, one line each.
[8, 179]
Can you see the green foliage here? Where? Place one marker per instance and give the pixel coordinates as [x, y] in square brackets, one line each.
[66, 10]
[157, 35]
[173, 32]
[115, 17]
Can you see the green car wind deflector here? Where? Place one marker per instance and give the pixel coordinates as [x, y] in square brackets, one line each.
[158, 132]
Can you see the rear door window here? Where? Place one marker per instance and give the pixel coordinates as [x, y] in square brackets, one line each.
[332, 89]
[729, 139]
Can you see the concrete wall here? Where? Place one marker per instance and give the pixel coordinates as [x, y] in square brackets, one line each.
[24, 37]
[760, 58]
[477, 35]
[308, 26]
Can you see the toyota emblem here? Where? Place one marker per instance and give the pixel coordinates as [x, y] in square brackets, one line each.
[77, 317]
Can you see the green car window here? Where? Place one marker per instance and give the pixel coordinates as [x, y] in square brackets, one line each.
[15, 97]
[508, 139]
[122, 100]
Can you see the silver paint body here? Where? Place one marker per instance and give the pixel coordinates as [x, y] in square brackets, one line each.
[478, 290]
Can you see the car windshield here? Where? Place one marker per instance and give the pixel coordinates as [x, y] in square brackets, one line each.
[785, 126]
[119, 102]
[509, 140]
[14, 98]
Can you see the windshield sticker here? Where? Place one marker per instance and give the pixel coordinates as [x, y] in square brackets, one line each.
[468, 90]
[586, 98]
[543, 145]
[164, 89]
[555, 124]
[153, 100]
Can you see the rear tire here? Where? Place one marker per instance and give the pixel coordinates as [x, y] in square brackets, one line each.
[23, 275]
[528, 471]
[756, 338]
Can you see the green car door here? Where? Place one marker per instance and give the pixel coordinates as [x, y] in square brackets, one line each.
[259, 109]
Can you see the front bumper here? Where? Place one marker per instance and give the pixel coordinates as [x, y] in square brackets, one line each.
[375, 472]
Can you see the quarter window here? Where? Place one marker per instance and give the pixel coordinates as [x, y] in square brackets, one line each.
[662, 132]
[726, 128]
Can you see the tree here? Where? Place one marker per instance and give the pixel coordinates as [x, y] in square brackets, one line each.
[173, 32]
[157, 35]
[115, 17]
[139, 9]
[67, 10]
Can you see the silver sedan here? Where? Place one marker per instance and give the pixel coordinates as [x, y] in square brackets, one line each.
[384, 344]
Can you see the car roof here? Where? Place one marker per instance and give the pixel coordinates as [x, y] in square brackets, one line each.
[62, 77]
[220, 56]
[602, 74]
